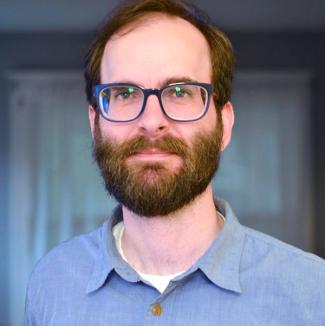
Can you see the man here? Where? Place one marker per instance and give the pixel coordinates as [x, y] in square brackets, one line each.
[158, 84]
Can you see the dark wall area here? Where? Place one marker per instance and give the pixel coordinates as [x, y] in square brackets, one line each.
[295, 51]
[319, 147]
[253, 50]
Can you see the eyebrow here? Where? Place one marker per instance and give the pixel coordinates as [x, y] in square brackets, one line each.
[163, 83]
[174, 80]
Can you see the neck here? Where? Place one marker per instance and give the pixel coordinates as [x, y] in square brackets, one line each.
[169, 244]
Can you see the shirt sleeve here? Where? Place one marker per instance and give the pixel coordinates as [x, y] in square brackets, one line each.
[30, 316]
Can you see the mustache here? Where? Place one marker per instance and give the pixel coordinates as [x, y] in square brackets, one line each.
[166, 143]
[140, 143]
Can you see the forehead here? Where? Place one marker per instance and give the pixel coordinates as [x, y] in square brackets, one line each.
[156, 48]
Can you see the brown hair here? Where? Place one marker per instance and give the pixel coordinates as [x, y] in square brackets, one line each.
[221, 52]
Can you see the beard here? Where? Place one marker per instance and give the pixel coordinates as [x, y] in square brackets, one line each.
[152, 189]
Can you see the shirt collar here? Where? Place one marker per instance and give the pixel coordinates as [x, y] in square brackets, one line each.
[108, 258]
[220, 264]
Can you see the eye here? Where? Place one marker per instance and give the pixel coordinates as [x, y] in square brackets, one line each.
[124, 93]
[180, 92]
[176, 92]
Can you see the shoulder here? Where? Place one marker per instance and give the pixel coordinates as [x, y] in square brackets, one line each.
[78, 249]
[61, 277]
[282, 265]
[261, 250]
[266, 245]
[69, 262]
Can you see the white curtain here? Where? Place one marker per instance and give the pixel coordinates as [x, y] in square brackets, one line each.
[55, 189]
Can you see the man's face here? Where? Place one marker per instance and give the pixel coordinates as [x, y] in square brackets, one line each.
[154, 165]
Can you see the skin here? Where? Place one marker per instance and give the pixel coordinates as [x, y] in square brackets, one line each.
[156, 52]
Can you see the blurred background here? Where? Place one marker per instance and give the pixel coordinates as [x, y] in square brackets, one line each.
[272, 173]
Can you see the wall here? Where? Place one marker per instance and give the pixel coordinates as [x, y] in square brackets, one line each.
[304, 51]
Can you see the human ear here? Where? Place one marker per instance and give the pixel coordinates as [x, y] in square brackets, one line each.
[92, 117]
[228, 119]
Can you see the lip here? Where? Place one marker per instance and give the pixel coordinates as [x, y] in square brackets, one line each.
[153, 151]
[152, 154]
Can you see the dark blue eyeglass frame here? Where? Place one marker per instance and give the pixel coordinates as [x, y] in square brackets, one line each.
[147, 92]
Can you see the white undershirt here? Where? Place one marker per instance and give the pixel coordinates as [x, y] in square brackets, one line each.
[160, 282]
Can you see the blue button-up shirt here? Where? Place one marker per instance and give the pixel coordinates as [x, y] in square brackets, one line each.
[245, 278]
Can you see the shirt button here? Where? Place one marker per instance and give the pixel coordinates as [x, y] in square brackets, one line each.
[156, 309]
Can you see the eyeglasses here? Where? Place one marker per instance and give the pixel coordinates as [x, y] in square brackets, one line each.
[122, 102]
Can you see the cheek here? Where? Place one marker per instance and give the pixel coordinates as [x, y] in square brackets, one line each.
[211, 119]
[115, 131]
[205, 125]
[211, 115]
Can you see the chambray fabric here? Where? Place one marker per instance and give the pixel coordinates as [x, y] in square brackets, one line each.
[245, 278]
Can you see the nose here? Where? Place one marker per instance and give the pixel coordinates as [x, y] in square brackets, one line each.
[153, 122]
